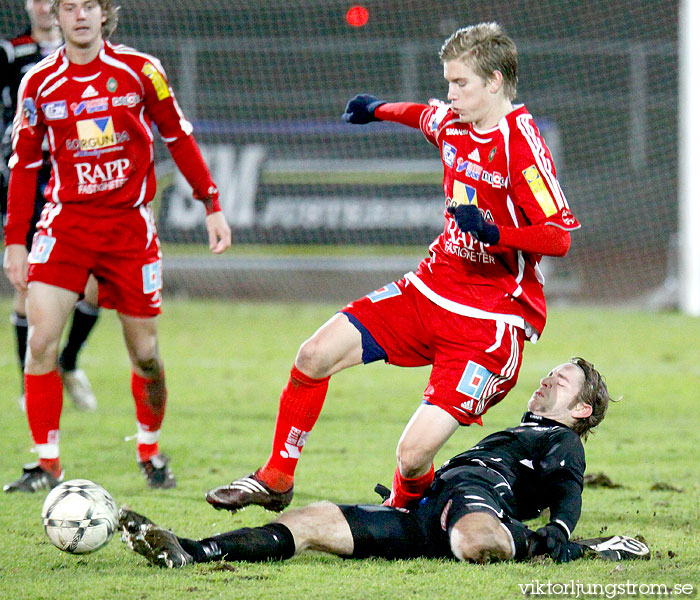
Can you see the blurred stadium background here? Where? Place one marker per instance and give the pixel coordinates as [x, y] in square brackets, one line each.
[326, 210]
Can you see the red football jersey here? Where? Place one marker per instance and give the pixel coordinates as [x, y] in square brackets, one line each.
[508, 173]
[97, 118]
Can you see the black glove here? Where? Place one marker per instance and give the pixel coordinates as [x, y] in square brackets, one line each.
[360, 109]
[470, 220]
[554, 542]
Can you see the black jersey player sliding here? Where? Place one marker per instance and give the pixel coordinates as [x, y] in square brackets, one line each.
[472, 511]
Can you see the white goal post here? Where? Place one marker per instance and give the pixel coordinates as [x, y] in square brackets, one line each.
[689, 157]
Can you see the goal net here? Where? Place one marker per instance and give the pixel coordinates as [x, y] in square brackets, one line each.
[323, 209]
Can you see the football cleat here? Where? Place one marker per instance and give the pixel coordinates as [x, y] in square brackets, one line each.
[248, 490]
[79, 389]
[615, 547]
[33, 478]
[158, 545]
[157, 472]
[131, 521]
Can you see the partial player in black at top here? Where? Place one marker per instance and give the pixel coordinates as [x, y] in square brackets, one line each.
[472, 511]
[17, 56]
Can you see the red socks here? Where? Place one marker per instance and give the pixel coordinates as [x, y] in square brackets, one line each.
[51, 466]
[405, 491]
[44, 396]
[150, 396]
[44, 402]
[301, 402]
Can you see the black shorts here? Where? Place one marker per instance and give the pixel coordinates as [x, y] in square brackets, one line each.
[473, 488]
[386, 532]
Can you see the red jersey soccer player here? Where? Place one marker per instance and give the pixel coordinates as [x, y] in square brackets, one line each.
[468, 307]
[95, 101]
[17, 56]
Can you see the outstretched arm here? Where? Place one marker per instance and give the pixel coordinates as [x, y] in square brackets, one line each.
[365, 108]
[406, 113]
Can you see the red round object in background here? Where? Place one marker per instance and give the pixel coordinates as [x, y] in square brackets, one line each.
[357, 16]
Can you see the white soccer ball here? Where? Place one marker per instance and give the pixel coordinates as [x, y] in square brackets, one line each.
[79, 516]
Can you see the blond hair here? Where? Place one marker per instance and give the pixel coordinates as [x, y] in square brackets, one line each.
[486, 48]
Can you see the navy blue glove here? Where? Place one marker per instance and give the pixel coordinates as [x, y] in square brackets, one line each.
[554, 542]
[470, 220]
[360, 109]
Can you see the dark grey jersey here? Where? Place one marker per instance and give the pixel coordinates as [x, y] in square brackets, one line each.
[542, 461]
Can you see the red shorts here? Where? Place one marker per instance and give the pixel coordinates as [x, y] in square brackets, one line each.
[475, 361]
[119, 247]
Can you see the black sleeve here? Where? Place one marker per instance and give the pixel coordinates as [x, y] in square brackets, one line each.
[564, 503]
[562, 468]
[5, 79]
[5, 120]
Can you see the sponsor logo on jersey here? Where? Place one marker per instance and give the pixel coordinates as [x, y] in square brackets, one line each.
[90, 106]
[568, 217]
[129, 100]
[90, 92]
[449, 152]
[455, 131]
[29, 111]
[464, 246]
[42, 245]
[152, 275]
[472, 384]
[55, 110]
[539, 190]
[93, 178]
[463, 194]
[157, 80]
[85, 147]
[474, 155]
[495, 179]
[474, 255]
[96, 133]
[470, 169]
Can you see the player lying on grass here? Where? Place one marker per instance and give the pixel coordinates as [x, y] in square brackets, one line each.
[473, 510]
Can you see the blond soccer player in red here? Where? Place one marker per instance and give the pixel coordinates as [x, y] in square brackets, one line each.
[96, 103]
[469, 306]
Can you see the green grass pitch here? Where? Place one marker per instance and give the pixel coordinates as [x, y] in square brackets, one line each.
[225, 366]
